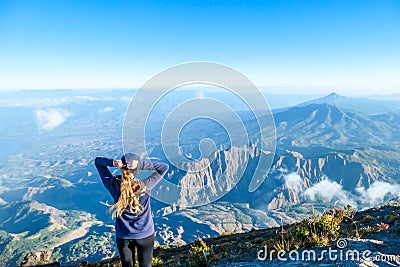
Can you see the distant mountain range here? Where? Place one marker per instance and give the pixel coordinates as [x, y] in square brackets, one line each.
[330, 150]
[332, 126]
[358, 105]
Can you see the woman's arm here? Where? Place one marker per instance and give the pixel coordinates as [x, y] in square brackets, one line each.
[102, 165]
[159, 168]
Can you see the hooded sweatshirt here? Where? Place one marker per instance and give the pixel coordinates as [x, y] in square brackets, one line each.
[130, 225]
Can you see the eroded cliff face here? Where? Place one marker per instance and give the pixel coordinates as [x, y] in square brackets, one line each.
[215, 178]
[290, 175]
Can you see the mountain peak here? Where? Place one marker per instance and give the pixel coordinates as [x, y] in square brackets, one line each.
[357, 105]
[333, 99]
[333, 95]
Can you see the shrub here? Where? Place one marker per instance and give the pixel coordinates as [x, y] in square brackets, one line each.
[157, 262]
[391, 218]
[199, 255]
[319, 230]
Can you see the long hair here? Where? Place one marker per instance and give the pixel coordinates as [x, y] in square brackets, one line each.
[131, 190]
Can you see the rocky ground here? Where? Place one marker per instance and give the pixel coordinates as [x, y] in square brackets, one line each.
[368, 238]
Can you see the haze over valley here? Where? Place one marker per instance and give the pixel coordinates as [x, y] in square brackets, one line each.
[330, 150]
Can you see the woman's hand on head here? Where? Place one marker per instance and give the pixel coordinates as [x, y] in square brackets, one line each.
[132, 164]
[117, 163]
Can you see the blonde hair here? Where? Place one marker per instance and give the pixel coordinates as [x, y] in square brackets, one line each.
[131, 190]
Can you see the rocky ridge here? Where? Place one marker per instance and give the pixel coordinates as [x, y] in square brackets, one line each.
[378, 244]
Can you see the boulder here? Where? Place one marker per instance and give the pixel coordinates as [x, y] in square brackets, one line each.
[41, 258]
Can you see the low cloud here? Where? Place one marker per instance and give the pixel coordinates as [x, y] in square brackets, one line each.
[107, 109]
[294, 181]
[291, 180]
[378, 192]
[48, 119]
[331, 191]
[48, 102]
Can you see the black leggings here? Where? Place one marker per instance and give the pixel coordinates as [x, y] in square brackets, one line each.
[126, 248]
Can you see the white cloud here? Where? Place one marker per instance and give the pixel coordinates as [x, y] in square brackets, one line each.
[325, 189]
[293, 181]
[43, 102]
[108, 109]
[49, 119]
[377, 192]
[330, 191]
[375, 195]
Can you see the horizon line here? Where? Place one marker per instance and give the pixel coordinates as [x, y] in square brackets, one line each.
[321, 93]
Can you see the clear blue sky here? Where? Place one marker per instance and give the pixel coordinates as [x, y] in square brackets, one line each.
[346, 46]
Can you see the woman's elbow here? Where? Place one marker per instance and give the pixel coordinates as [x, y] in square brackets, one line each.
[164, 168]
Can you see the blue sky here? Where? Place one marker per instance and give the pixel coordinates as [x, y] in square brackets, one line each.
[351, 47]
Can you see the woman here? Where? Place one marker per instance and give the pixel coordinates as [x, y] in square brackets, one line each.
[134, 224]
